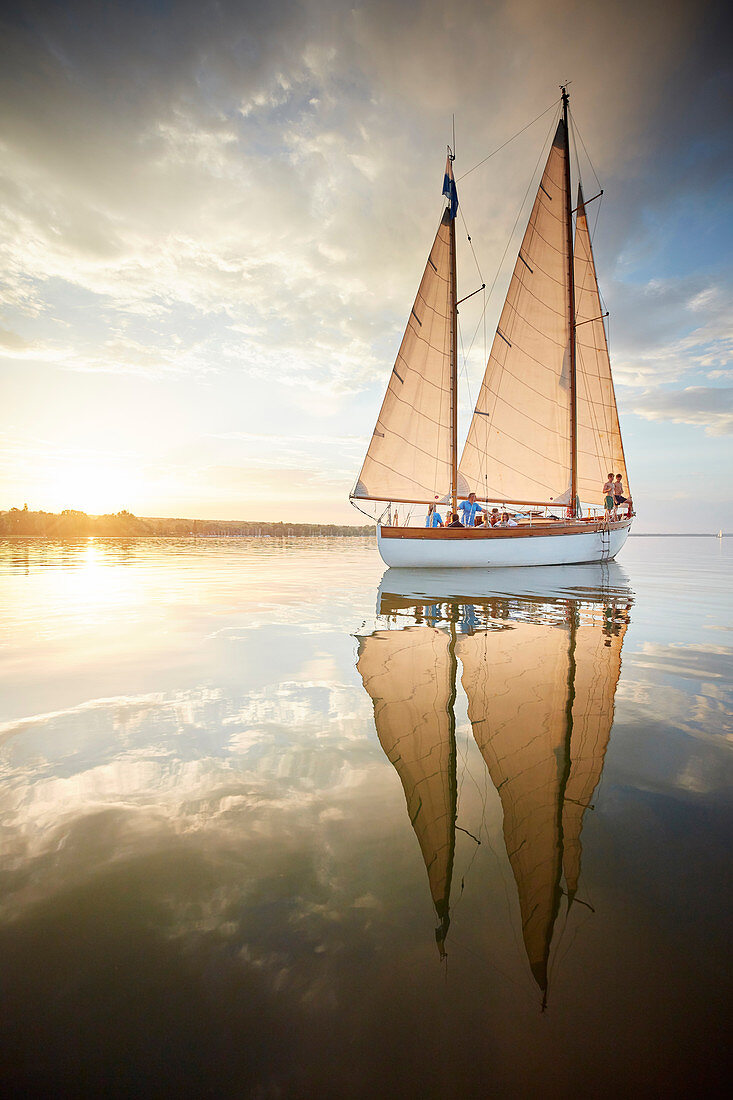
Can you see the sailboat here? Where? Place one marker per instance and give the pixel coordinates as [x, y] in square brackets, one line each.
[545, 430]
[540, 674]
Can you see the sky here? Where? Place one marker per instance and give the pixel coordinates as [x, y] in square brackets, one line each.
[214, 217]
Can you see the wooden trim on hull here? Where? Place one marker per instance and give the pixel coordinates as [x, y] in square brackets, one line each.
[459, 534]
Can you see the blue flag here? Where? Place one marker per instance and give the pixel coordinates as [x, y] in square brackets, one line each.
[449, 188]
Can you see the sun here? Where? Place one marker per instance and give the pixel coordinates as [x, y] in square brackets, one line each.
[92, 487]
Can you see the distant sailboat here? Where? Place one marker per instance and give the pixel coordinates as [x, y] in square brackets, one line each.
[545, 429]
[540, 693]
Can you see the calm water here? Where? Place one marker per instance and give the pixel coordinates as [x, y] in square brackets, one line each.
[272, 828]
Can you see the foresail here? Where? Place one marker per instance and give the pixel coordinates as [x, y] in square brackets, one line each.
[518, 445]
[517, 686]
[600, 450]
[410, 676]
[409, 454]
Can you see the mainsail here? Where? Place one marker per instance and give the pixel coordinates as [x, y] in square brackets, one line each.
[517, 683]
[519, 442]
[410, 676]
[600, 450]
[409, 456]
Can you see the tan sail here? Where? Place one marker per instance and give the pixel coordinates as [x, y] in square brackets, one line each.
[518, 445]
[409, 456]
[516, 681]
[597, 660]
[410, 676]
[600, 450]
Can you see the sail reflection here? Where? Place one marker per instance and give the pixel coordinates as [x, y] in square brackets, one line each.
[539, 667]
[410, 675]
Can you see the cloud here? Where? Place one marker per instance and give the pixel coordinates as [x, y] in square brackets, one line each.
[705, 406]
[11, 343]
[245, 194]
[671, 328]
[243, 165]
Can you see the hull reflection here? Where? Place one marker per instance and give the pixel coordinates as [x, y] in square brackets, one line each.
[540, 659]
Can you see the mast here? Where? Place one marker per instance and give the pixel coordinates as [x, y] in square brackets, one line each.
[443, 912]
[453, 363]
[571, 315]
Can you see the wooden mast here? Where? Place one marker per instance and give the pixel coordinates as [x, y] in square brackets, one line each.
[453, 363]
[572, 510]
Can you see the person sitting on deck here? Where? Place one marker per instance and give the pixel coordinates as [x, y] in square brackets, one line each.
[455, 521]
[479, 522]
[507, 520]
[609, 501]
[433, 519]
[494, 518]
[469, 508]
[618, 492]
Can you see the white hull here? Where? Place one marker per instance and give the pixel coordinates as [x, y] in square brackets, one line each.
[411, 551]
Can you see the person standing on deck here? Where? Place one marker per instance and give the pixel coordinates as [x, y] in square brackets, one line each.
[609, 501]
[433, 519]
[469, 509]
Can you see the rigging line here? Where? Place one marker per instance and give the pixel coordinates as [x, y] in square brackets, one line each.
[575, 146]
[590, 162]
[464, 368]
[473, 251]
[595, 226]
[602, 300]
[514, 227]
[508, 142]
[492, 966]
[598, 214]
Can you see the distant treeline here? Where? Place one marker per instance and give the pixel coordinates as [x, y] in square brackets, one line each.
[73, 524]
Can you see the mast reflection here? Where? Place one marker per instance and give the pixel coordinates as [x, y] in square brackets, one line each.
[540, 658]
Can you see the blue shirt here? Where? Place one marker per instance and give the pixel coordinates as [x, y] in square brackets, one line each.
[469, 511]
[433, 519]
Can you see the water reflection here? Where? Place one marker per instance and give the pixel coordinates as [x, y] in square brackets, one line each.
[540, 658]
[208, 884]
